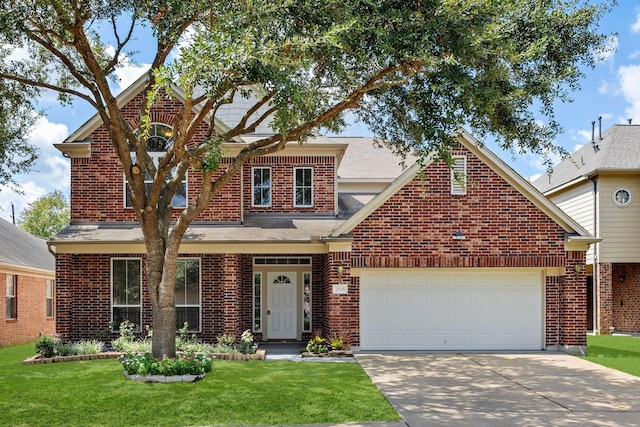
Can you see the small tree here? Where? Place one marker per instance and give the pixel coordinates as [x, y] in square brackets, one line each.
[46, 216]
[413, 70]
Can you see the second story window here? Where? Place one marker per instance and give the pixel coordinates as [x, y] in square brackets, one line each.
[261, 185]
[159, 142]
[303, 187]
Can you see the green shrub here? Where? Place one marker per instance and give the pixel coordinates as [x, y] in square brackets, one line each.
[88, 347]
[184, 364]
[47, 346]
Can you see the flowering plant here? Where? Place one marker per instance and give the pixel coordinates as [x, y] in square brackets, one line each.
[184, 364]
[317, 345]
[246, 343]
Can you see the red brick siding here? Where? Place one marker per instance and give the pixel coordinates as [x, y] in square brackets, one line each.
[605, 298]
[31, 321]
[573, 297]
[282, 183]
[415, 228]
[626, 297]
[97, 183]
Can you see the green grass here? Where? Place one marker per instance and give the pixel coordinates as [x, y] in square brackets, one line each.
[96, 393]
[621, 353]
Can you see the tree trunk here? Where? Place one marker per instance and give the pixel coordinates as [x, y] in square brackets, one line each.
[161, 274]
[164, 331]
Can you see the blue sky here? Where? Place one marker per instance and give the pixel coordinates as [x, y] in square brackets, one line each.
[610, 90]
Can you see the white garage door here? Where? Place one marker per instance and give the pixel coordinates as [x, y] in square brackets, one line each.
[409, 309]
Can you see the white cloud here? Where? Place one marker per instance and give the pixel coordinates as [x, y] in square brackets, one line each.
[629, 79]
[635, 27]
[609, 51]
[51, 170]
[128, 71]
[31, 192]
[534, 177]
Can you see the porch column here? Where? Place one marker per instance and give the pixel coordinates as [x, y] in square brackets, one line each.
[574, 304]
[341, 298]
[604, 293]
[231, 294]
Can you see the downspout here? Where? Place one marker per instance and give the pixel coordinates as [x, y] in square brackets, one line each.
[51, 251]
[595, 280]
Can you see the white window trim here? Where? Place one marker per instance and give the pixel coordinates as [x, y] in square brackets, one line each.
[50, 285]
[253, 186]
[12, 279]
[295, 187]
[621, 205]
[310, 302]
[257, 306]
[116, 328]
[199, 305]
[459, 167]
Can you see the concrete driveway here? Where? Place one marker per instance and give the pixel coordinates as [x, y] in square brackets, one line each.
[540, 389]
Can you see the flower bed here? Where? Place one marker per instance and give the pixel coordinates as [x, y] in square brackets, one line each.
[37, 359]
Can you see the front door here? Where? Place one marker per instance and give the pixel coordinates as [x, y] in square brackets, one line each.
[281, 306]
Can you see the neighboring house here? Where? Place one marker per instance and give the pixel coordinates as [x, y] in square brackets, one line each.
[599, 186]
[332, 236]
[27, 269]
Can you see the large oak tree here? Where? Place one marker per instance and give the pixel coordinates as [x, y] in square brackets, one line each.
[414, 71]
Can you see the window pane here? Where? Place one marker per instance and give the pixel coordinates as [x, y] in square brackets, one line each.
[133, 281]
[261, 186]
[132, 314]
[119, 280]
[180, 283]
[190, 315]
[193, 282]
[180, 198]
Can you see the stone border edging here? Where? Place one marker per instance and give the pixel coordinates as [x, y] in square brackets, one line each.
[38, 359]
[164, 378]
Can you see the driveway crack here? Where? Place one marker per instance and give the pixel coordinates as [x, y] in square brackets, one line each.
[530, 390]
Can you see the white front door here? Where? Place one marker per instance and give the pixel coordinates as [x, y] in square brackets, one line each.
[281, 306]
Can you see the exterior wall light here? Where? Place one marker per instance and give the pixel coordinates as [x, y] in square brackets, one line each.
[577, 268]
[340, 270]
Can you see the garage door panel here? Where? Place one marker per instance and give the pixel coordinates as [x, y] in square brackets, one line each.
[451, 310]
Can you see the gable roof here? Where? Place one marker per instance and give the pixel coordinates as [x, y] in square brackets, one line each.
[617, 151]
[21, 249]
[496, 164]
[78, 145]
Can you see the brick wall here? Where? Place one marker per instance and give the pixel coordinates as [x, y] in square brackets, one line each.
[604, 293]
[31, 321]
[626, 297]
[416, 227]
[98, 183]
[282, 183]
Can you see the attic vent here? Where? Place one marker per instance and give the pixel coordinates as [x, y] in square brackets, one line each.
[459, 175]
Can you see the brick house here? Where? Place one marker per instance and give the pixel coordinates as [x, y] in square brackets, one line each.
[333, 236]
[597, 186]
[28, 271]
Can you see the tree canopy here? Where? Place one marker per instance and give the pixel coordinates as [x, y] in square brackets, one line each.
[46, 216]
[413, 71]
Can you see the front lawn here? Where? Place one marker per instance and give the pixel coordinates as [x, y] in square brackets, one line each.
[88, 393]
[617, 352]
